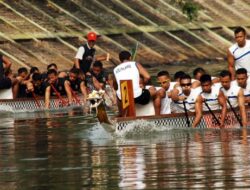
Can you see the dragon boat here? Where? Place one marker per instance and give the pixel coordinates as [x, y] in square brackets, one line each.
[8, 104]
[144, 115]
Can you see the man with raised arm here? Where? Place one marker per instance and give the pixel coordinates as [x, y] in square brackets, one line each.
[85, 55]
[212, 97]
[131, 70]
[234, 94]
[238, 55]
[186, 97]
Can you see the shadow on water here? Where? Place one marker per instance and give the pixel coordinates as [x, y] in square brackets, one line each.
[70, 150]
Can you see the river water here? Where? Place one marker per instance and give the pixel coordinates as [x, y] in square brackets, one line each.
[70, 150]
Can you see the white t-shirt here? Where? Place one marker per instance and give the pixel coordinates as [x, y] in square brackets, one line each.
[128, 71]
[80, 52]
[190, 100]
[241, 56]
[232, 94]
[165, 102]
[212, 98]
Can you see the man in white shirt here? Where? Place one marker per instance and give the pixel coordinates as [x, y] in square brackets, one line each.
[244, 82]
[130, 70]
[185, 97]
[238, 55]
[234, 94]
[212, 97]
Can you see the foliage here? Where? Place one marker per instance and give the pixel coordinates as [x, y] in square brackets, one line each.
[189, 8]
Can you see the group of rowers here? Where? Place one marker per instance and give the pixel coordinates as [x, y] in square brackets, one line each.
[203, 93]
[199, 94]
[34, 84]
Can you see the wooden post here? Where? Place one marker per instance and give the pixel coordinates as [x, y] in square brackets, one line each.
[127, 98]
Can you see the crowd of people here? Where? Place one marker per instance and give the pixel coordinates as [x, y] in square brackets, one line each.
[86, 75]
[197, 94]
[201, 93]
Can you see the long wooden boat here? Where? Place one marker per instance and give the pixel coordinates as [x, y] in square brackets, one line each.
[7, 104]
[31, 105]
[167, 121]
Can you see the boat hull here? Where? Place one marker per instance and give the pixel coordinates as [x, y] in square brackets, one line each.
[172, 121]
[31, 105]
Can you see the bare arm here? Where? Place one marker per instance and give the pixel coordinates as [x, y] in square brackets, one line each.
[47, 97]
[175, 94]
[223, 103]
[7, 62]
[77, 63]
[198, 111]
[143, 72]
[241, 102]
[68, 91]
[230, 60]
[83, 91]
[97, 84]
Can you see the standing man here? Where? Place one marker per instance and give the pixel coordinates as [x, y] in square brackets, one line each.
[234, 94]
[238, 55]
[85, 54]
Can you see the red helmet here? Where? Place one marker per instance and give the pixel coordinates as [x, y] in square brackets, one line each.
[91, 36]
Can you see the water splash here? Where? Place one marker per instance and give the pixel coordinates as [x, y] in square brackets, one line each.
[141, 128]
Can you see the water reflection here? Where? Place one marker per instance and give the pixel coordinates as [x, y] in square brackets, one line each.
[68, 151]
[132, 167]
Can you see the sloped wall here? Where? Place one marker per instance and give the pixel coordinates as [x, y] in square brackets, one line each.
[39, 32]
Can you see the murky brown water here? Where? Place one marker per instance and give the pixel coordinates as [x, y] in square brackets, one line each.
[70, 151]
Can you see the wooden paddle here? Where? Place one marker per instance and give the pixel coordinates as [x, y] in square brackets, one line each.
[58, 95]
[186, 113]
[235, 114]
[209, 109]
[35, 98]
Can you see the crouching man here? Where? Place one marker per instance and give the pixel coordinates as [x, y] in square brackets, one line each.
[57, 87]
[212, 98]
[234, 94]
[130, 70]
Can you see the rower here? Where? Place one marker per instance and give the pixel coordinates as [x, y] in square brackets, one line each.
[212, 97]
[131, 70]
[163, 97]
[234, 94]
[76, 84]
[186, 97]
[56, 86]
[244, 82]
[36, 87]
[7, 80]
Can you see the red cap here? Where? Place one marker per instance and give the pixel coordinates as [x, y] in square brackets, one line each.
[91, 36]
